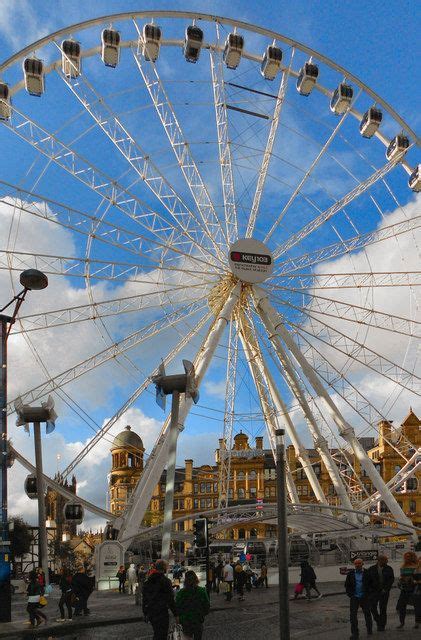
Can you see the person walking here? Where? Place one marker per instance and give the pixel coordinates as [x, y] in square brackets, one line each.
[219, 570]
[158, 598]
[228, 576]
[406, 584]
[192, 603]
[263, 578]
[41, 578]
[34, 592]
[358, 589]
[65, 585]
[240, 580]
[121, 575]
[308, 579]
[131, 578]
[82, 588]
[382, 579]
[141, 577]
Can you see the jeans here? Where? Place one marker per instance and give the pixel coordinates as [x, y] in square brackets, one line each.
[228, 594]
[160, 625]
[66, 599]
[308, 587]
[81, 604]
[378, 605]
[354, 604]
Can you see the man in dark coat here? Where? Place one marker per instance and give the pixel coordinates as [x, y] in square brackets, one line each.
[158, 598]
[82, 589]
[382, 578]
[358, 587]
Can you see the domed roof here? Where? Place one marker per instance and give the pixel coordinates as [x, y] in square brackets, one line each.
[127, 438]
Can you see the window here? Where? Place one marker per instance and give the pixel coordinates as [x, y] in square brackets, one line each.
[202, 503]
[241, 534]
[253, 492]
[163, 486]
[161, 505]
[240, 475]
[215, 487]
[300, 474]
[253, 533]
[215, 503]
[317, 469]
[202, 487]
[412, 506]
[305, 490]
[411, 484]
[270, 474]
[398, 468]
[195, 503]
[208, 503]
[267, 492]
[241, 493]
[230, 494]
[195, 488]
[181, 504]
[208, 487]
[252, 475]
[272, 492]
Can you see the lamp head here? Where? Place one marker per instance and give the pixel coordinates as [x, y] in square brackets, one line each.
[33, 279]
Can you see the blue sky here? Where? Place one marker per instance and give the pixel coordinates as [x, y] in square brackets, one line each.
[378, 43]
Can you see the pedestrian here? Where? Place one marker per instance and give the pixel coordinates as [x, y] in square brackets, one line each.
[219, 570]
[382, 579]
[121, 575]
[82, 588]
[417, 595]
[65, 585]
[263, 578]
[406, 584]
[158, 598]
[358, 589]
[308, 579]
[240, 581]
[131, 577]
[41, 577]
[211, 578]
[141, 577]
[34, 593]
[228, 576]
[192, 603]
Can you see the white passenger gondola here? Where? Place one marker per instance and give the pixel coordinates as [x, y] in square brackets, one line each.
[370, 122]
[73, 512]
[307, 78]
[110, 51]
[414, 181]
[151, 43]
[70, 58]
[33, 70]
[233, 50]
[30, 487]
[271, 62]
[397, 148]
[192, 43]
[341, 99]
[5, 108]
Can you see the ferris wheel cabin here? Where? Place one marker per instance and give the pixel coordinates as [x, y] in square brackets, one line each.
[110, 50]
[271, 62]
[30, 487]
[73, 512]
[33, 70]
[397, 147]
[5, 108]
[414, 181]
[307, 78]
[370, 122]
[151, 42]
[341, 99]
[193, 41]
[233, 50]
[70, 58]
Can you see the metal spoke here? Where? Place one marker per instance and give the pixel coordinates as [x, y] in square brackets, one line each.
[353, 280]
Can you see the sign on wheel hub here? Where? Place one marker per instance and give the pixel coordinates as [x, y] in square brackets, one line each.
[250, 260]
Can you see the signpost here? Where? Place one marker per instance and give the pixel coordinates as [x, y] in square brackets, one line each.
[368, 555]
[109, 555]
[250, 260]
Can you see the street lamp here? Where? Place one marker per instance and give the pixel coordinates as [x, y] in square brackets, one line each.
[284, 632]
[31, 280]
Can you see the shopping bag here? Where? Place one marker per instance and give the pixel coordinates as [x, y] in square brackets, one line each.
[299, 588]
[176, 633]
[43, 601]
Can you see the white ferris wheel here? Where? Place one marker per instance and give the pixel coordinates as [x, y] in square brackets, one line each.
[226, 193]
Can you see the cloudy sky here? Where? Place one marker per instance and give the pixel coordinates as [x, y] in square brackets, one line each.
[365, 40]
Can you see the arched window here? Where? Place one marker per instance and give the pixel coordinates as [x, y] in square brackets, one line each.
[230, 493]
[267, 492]
[240, 475]
[241, 493]
[253, 533]
[241, 534]
[252, 475]
[231, 534]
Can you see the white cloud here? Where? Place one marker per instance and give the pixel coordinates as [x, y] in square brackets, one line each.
[215, 388]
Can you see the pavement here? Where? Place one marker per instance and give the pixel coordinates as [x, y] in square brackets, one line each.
[115, 616]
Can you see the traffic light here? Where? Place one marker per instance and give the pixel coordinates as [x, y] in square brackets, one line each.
[200, 530]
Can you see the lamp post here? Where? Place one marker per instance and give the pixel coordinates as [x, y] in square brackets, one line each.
[284, 632]
[31, 279]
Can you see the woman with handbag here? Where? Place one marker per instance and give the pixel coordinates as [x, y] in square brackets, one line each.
[34, 593]
[192, 603]
[407, 584]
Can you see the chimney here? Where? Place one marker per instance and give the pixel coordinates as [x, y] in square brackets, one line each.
[189, 469]
[259, 442]
[385, 432]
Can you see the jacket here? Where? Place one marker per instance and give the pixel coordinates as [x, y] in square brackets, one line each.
[81, 585]
[350, 583]
[192, 605]
[65, 584]
[308, 574]
[388, 578]
[158, 596]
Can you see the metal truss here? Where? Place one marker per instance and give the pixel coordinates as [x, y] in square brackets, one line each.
[276, 330]
[132, 399]
[280, 98]
[326, 215]
[409, 470]
[140, 161]
[224, 144]
[315, 281]
[179, 144]
[129, 523]
[118, 348]
[226, 447]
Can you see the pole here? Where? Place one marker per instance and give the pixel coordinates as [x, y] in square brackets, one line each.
[208, 583]
[282, 537]
[5, 593]
[169, 486]
[42, 535]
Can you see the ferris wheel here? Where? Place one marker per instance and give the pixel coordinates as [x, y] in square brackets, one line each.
[197, 185]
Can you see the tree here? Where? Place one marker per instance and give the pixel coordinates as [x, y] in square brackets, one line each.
[20, 539]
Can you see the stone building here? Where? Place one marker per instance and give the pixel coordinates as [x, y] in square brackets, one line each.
[54, 508]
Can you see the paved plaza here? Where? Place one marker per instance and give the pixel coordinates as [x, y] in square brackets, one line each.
[114, 616]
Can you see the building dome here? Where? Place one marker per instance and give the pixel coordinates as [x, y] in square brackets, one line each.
[127, 438]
